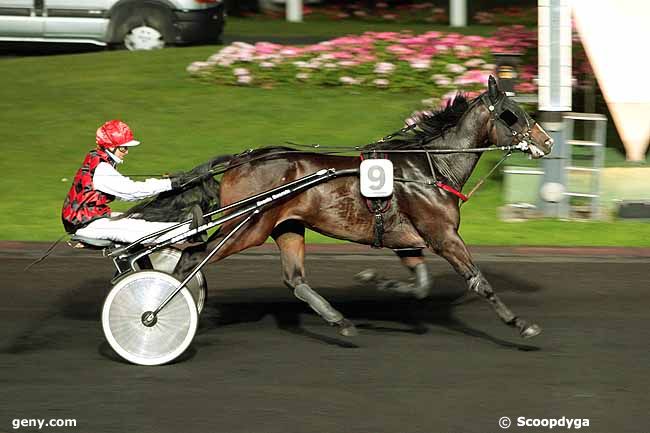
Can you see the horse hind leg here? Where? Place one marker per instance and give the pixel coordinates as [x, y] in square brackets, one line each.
[290, 238]
[454, 250]
[414, 261]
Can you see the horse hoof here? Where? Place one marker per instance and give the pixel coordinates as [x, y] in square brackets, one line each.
[531, 331]
[367, 276]
[347, 328]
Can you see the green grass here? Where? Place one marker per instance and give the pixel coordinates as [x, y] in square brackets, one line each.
[51, 106]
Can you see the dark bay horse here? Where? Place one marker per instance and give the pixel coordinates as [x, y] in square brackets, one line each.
[422, 215]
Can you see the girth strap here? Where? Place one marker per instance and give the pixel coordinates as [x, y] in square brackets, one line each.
[376, 208]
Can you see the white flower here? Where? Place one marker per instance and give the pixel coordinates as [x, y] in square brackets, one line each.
[473, 63]
[381, 82]
[349, 80]
[243, 45]
[267, 65]
[455, 68]
[302, 76]
[430, 102]
[300, 64]
[384, 68]
[421, 64]
[240, 71]
[489, 66]
[330, 65]
[197, 66]
[244, 79]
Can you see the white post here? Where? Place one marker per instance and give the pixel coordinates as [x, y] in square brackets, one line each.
[294, 11]
[554, 92]
[458, 13]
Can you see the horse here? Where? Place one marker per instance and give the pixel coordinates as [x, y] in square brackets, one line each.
[425, 209]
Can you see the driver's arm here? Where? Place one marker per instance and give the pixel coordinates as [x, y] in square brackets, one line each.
[110, 181]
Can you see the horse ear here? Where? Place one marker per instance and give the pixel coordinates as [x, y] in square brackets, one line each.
[493, 89]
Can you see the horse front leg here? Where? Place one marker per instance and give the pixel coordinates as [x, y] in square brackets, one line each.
[454, 250]
[413, 260]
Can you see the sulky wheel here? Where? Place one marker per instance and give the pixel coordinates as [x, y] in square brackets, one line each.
[165, 260]
[131, 336]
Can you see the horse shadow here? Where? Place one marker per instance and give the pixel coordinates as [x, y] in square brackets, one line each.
[409, 315]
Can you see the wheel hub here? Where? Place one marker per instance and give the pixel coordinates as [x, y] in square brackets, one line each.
[144, 38]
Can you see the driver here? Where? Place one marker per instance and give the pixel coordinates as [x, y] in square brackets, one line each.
[86, 210]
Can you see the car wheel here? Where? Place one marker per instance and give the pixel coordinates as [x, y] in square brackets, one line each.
[144, 29]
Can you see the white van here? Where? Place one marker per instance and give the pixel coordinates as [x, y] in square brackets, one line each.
[135, 24]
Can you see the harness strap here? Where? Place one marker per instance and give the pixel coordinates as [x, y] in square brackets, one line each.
[452, 190]
[375, 207]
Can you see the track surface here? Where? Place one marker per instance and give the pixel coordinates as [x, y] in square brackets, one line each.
[262, 362]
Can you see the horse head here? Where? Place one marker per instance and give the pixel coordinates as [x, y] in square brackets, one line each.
[511, 125]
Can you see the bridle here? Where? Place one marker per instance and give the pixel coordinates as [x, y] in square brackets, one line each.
[504, 116]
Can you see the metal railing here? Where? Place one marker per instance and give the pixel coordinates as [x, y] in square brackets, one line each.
[595, 130]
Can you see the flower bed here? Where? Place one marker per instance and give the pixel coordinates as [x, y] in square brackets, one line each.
[434, 63]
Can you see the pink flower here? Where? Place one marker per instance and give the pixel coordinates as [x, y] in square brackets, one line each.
[525, 87]
[474, 76]
[342, 55]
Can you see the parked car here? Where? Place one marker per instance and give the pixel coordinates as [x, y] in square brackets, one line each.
[134, 24]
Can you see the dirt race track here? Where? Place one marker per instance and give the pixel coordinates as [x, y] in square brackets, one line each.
[263, 362]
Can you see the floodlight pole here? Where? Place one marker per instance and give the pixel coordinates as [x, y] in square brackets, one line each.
[294, 11]
[554, 93]
[458, 13]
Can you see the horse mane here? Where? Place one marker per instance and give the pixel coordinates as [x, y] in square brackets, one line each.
[429, 125]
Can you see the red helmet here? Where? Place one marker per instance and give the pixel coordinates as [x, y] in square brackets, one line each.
[115, 133]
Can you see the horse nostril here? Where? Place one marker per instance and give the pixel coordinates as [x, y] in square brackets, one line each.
[549, 142]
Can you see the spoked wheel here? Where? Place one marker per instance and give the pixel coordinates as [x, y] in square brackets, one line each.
[142, 341]
[165, 260]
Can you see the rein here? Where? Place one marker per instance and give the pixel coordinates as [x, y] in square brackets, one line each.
[521, 137]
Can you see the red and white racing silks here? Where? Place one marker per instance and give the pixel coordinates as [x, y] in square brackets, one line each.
[84, 203]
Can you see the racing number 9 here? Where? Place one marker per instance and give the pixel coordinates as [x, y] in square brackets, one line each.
[376, 177]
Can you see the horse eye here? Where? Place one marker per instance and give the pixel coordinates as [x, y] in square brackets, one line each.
[509, 117]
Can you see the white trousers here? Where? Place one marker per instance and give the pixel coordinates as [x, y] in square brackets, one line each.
[128, 230]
